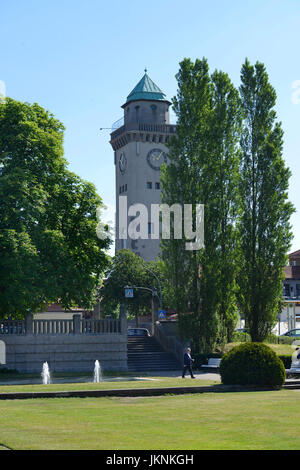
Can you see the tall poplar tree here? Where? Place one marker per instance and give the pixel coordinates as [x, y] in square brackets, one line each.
[182, 183]
[223, 204]
[265, 231]
[204, 168]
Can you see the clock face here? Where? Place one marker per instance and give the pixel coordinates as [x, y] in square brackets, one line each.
[122, 162]
[156, 157]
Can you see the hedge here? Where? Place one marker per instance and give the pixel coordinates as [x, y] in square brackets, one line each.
[252, 364]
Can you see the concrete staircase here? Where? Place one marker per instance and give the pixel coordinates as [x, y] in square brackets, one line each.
[292, 384]
[146, 354]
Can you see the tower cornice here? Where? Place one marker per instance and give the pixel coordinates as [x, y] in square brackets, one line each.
[144, 99]
[141, 132]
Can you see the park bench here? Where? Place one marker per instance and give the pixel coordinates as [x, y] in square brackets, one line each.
[213, 363]
[295, 368]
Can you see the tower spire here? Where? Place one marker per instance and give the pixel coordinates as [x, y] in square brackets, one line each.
[146, 89]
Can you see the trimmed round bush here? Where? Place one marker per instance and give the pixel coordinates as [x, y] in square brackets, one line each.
[252, 364]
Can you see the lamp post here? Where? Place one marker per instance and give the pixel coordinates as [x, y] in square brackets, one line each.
[154, 301]
[159, 284]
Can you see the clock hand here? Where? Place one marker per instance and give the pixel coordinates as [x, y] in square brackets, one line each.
[157, 158]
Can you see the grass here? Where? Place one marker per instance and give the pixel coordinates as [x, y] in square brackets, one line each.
[280, 349]
[257, 420]
[208, 421]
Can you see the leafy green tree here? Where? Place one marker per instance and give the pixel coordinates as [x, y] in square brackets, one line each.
[184, 182]
[19, 273]
[205, 169]
[264, 229]
[48, 219]
[129, 269]
[224, 203]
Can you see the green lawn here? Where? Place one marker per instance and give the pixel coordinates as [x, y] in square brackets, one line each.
[280, 349]
[255, 420]
[152, 382]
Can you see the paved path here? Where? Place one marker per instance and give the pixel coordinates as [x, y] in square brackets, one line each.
[178, 374]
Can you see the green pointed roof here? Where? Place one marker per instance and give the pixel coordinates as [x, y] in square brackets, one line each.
[146, 89]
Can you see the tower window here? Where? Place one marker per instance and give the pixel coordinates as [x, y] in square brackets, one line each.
[157, 185]
[149, 185]
[123, 188]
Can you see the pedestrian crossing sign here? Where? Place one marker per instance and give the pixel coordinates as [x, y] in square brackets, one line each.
[161, 314]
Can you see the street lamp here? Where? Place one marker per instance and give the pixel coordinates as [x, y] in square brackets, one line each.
[160, 295]
[154, 304]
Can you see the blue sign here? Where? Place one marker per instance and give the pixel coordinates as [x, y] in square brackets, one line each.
[128, 293]
[161, 314]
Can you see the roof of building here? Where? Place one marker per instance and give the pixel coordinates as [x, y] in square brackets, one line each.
[295, 253]
[146, 89]
[56, 307]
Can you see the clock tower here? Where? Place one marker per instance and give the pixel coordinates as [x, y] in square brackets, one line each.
[139, 143]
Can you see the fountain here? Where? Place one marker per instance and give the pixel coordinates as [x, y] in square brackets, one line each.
[46, 374]
[97, 372]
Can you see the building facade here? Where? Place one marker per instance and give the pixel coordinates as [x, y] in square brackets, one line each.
[139, 142]
[291, 289]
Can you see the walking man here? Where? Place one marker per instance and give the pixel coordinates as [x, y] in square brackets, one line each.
[187, 363]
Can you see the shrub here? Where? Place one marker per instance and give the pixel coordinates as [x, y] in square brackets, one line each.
[252, 364]
[274, 339]
[240, 336]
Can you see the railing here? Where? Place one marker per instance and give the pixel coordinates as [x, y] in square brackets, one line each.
[12, 327]
[61, 327]
[100, 326]
[170, 343]
[52, 327]
[118, 123]
[163, 128]
[143, 127]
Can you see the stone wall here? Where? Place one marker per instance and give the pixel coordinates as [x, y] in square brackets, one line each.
[71, 352]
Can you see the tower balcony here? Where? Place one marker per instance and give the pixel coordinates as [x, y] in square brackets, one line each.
[140, 131]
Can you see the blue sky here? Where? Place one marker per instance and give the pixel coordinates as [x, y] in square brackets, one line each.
[81, 58]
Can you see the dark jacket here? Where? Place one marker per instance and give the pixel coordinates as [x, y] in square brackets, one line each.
[187, 360]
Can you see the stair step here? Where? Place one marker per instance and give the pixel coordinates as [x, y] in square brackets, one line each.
[146, 354]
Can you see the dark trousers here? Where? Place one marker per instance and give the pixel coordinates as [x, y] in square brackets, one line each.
[185, 368]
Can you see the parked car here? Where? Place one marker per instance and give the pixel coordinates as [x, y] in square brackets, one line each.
[293, 333]
[138, 332]
[242, 330]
